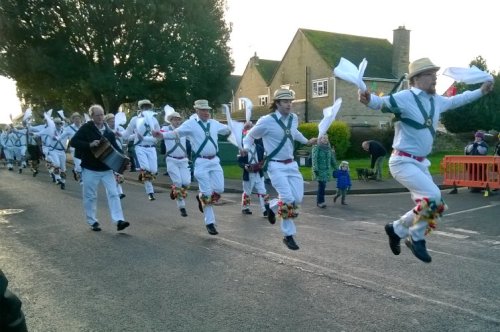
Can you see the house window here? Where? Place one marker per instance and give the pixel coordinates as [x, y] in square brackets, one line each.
[320, 88]
[263, 100]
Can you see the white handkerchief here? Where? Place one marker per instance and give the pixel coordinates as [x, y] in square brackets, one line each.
[236, 129]
[472, 75]
[329, 114]
[347, 71]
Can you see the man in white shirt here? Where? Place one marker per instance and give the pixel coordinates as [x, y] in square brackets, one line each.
[203, 134]
[278, 131]
[417, 112]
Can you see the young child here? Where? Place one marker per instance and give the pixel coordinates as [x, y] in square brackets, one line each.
[323, 161]
[343, 181]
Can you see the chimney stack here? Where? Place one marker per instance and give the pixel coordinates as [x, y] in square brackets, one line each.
[400, 51]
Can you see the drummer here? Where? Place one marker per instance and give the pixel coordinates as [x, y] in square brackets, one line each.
[94, 171]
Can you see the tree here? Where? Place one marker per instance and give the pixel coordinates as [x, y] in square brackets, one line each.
[481, 114]
[70, 54]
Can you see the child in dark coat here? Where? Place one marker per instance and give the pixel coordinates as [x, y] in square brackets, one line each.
[343, 181]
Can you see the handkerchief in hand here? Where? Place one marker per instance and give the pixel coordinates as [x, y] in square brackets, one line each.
[472, 75]
[329, 114]
[347, 71]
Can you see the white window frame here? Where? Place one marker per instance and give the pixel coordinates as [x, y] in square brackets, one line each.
[263, 100]
[318, 88]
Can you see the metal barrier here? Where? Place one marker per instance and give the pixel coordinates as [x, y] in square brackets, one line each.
[471, 171]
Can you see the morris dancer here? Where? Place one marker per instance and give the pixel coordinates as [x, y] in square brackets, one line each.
[19, 140]
[140, 129]
[417, 111]
[118, 131]
[69, 132]
[278, 131]
[203, 134]
[57, 152]
[253, 176]
[176, 158]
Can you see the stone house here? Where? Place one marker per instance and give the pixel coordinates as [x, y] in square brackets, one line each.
[307, 68]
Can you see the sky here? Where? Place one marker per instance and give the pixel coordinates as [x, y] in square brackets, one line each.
[450, 33]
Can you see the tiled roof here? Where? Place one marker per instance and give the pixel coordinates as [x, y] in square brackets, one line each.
[267, 68]
[332, 46]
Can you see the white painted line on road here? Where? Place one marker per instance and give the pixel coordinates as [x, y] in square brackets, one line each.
[493, 242]
[463, 230]
[453, 235]
[471, 210]
[369, 223]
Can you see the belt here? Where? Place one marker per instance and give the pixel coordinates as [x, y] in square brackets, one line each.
[208, 157]
[286, 161]
[175, 157]
[406, 154]
[146, 146]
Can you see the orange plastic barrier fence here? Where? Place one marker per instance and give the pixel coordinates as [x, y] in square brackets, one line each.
[471, 171]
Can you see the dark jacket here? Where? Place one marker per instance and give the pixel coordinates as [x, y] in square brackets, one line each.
[242, 161]
[376, 150]
[11, 316]
[81, 142]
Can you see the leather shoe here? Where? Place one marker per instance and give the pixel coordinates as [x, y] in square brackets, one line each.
[271, 217]
[200, 204]
[122, 196]
[122, 225]
[211, 229]
[394, 239]
[418, 249]
[290, 242]
[151, 197]
[95, 227]
[183, 212]
[246, 211]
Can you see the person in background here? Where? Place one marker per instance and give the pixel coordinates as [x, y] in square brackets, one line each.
[343, 182]
[497, 147]
[118, 131]
[203, 133]
[11, 315]
[94, 171]
[253, 176]
[377, 154]
[417, 112]
[278, 131]
[476, 148]
[71, 129]
[323, 162]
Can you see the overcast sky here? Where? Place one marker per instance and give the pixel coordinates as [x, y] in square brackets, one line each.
[450, 33]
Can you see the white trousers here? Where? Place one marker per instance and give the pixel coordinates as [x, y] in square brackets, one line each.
[257, 182]
[289, 183]
[91, 181]
[210, 177]
[58, 160]
[180, 174]
[415, 176]
[77, 163]
[148, 161]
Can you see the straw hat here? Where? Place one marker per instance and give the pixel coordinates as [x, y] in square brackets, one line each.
[173, 115]
[421, 65]
[74, 115]
[109, 116]
[144, 102]
[284, 94]
[58, 121]
[201, 104]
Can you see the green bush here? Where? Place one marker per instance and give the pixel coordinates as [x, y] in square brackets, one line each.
[339, 135]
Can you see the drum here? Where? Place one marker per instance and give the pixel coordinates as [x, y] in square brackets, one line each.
[109, 156]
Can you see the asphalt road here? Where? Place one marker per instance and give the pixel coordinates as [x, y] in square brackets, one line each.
[165, 273]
